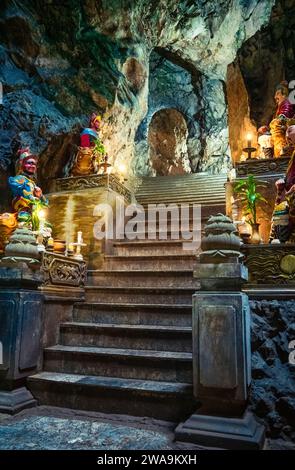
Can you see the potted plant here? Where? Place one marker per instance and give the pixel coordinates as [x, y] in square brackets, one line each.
[250, 198]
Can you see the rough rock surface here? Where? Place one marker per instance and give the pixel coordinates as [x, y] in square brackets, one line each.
[268, 58]
[273, 386]
[172, 89]
[60, 62]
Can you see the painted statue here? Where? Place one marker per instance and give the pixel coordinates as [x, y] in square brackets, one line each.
[28, 198]
[283, 221]
[90, 150]
[26, 194]
[283, 117]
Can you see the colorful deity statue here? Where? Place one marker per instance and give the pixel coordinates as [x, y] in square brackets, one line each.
[90, 150]
[284, 117]
[283, 222]
[27, 196]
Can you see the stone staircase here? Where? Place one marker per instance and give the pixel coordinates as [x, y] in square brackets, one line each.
[128, 347]
[197, 188]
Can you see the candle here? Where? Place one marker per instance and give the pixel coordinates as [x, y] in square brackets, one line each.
[79, 239]
[249, 138]
[50, 243]
[71, 247]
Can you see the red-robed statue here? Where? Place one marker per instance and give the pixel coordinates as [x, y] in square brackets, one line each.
[90, 149]
[284, 212]
[283, 117]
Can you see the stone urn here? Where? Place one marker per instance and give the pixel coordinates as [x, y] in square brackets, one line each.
[22, 247]
[221, 238]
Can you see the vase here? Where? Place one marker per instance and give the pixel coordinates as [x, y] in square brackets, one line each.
[59, 246]
[255, 238]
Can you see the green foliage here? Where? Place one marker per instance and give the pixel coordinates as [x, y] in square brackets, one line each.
[249, 197]
[35, 219]
[99, 147]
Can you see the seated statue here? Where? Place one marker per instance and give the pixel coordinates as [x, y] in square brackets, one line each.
[283, 222]
[86, 158]
[282, 119]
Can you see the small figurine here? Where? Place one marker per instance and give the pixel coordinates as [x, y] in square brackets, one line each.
[8, 223]
[90, 149]
[280, 222]
[27, 196]
[265, 142]
[282, 119]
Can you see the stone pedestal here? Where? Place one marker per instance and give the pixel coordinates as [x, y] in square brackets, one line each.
[221, 350]
[20, 334]
[221, 347]
[63, 286]
[222, 432]
[73, 207]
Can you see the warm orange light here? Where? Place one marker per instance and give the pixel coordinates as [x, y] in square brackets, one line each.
[41, 214]
[122, 168]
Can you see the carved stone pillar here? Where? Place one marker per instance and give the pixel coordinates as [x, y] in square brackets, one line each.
[221, 346]
[20, 320]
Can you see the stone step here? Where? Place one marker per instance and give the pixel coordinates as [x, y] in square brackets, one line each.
[183, 180]
[202, 200]
[196, 178]
[153, 263]
[160, 400]
[179, 195]
[147, 337]
[156, 235]
[189, 195]
[206, 211]
[194, 184]
[134, 314]
[164, 366]
[142, 279]
[162, 295]
[149, 247]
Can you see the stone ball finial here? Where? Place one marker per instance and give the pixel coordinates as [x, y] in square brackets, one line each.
[221, 241]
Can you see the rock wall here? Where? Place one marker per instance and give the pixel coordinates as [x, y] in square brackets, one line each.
[263, 61]
[239, 121]
[60, 61]
[171, 87]
[273, 376]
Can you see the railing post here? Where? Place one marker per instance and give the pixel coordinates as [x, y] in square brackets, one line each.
[221, 346]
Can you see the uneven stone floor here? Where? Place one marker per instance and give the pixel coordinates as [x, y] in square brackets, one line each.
[50, 428]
